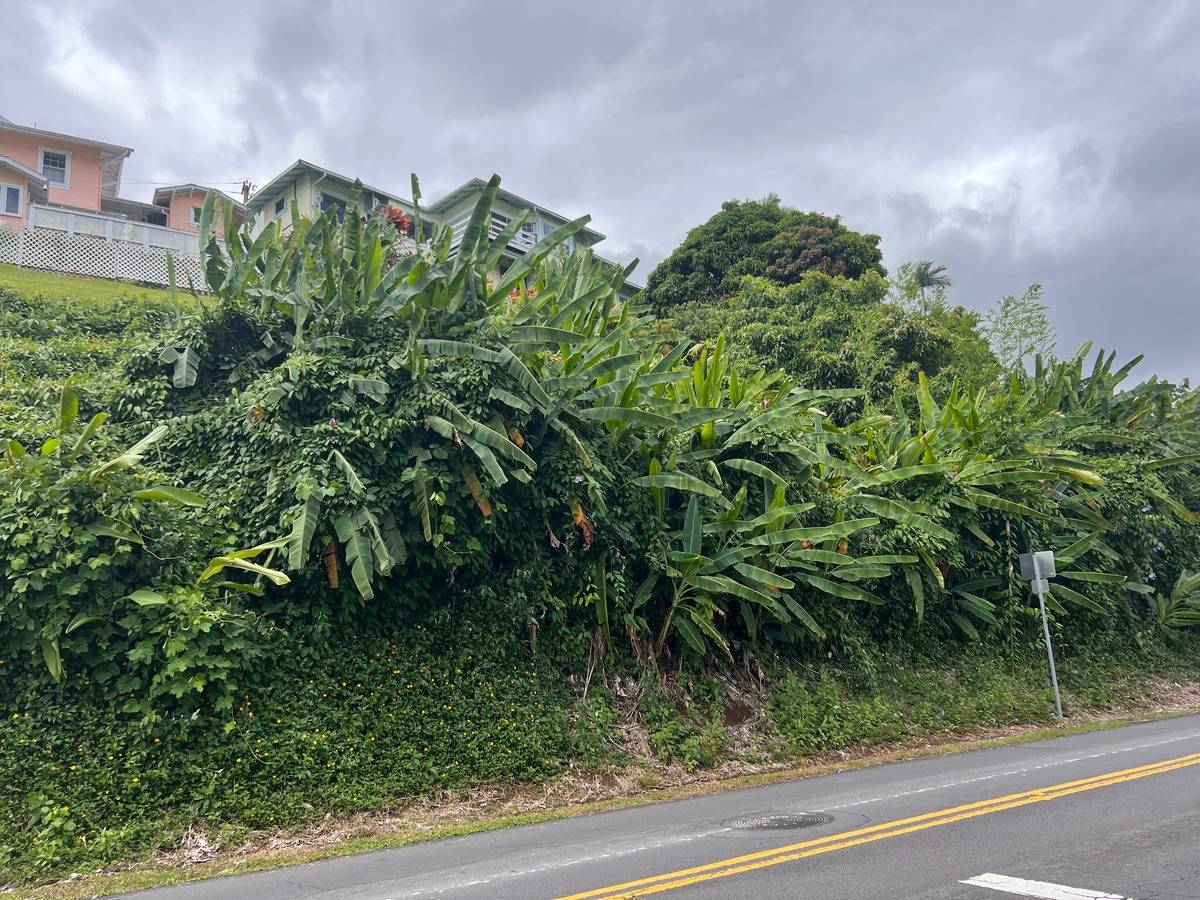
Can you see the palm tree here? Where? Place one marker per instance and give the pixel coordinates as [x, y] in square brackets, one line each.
[927, 275]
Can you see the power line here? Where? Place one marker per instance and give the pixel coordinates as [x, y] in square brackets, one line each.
[195, 181]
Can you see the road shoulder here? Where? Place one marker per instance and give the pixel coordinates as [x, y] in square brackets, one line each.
[524, 805]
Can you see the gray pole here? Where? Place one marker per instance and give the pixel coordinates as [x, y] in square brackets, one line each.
[1037, 574]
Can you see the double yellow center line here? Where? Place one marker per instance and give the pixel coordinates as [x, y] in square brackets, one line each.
[736, 865]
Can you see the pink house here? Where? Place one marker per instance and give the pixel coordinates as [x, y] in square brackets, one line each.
[67, 172]
[79, 173]
[183, 203]
[19, 185]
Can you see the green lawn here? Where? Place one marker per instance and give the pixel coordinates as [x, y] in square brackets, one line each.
[56, 286]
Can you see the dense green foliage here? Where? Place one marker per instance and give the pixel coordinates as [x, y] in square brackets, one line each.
[836, 332]
[829, 317]
[362, 725]
[459, 474]
[45, 340]
[758, 237]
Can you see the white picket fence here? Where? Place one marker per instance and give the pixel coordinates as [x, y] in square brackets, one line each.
[101, 246]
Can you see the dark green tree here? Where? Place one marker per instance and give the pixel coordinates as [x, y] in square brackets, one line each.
[837, 332]
[764, 238]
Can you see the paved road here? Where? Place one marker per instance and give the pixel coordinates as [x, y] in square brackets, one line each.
[1107, 814]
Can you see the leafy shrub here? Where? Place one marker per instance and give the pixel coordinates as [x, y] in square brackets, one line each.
[84, 540]
[372, 722]
[819, 716]
[44, 341]
[677, 730]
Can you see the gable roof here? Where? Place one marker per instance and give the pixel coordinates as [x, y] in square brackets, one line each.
[38, 185]
[476, 186]
[31, 174]
[135, 209]
[162, 195]
[107, 149]
[303, 167]
[112, 156]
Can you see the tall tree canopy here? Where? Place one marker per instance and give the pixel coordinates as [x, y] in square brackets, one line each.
[764, 238]
[837, 332]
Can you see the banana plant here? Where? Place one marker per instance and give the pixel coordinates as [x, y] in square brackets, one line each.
[448, 309]
[1180, 608]
[709, 567]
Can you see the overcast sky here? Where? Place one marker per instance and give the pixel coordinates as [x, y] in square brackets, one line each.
[1013, 142]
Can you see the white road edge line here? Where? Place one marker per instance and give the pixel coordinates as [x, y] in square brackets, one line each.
[1041, 889]
[1059, 762]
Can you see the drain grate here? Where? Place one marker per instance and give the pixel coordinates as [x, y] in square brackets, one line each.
[779, 823]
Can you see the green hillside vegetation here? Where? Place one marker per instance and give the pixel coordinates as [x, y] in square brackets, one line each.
[76, 289]
[55, 328]
[362, 523]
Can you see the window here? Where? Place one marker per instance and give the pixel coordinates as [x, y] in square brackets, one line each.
[279, 205]
[328, 200]
[196, 210]
[56, 166]
[548, 227]
[10, 200]
[529, 231]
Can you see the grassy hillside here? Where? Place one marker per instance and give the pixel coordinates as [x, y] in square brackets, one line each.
[75, 288]
[57, 327]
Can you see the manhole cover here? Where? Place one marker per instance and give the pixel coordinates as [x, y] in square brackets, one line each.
[780, 823]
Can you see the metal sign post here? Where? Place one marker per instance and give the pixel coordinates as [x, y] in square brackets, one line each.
[1038, 569]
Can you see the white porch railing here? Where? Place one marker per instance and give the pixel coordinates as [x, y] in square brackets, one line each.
[85, 243]
[111, 228]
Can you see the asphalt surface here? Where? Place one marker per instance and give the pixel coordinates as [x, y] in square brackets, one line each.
[912, 829]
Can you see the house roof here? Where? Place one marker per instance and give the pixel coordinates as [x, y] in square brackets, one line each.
[113, 150]
[302, 167]
[38, 185]
[476, 185]
[130, 208]
[112, 156]
[163, 195]
[31, 174]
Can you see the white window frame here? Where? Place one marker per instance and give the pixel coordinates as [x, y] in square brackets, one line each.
[4, 186]
[195, 214]
[42, 151]
[276, 209]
